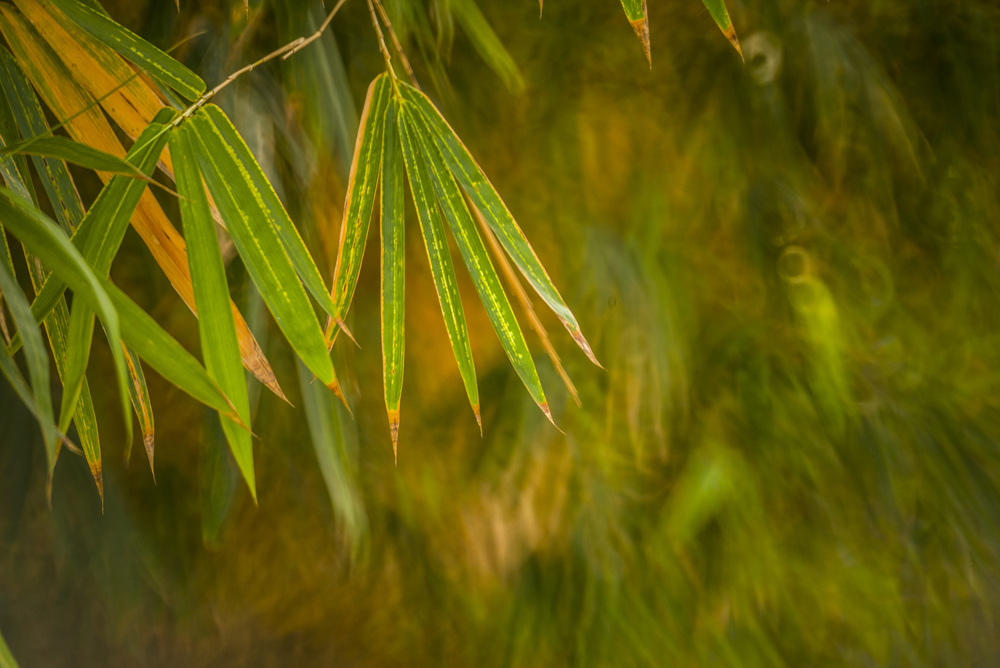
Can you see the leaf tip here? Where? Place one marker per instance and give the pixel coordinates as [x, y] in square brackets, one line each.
[641, 28]
[394, 431]
[585, 346]
[335, 388]
[343, 326]
[544, 405]
[98, 473]
[147, 442]
[479, 418]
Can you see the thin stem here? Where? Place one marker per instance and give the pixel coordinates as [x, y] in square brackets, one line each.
[385, 50]
[285, 51]
[395, 42]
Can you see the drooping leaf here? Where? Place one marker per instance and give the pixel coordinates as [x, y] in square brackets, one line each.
[439, 256]
[717, 8]
[477, 260]
[261, 249]
[635, 11]
[61, 148]
[216, 327]
[393, 257]
[130, 46]
[37, 359]
[139, 394]
[361, 189]
[484, 197]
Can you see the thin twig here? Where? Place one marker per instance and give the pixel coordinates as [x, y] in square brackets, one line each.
[283, 52]
[396, 43]
[381, 42]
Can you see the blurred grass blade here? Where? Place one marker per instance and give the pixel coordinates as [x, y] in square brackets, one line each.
[266, 201]
[487, 44]
[130, 46]
[261, 249]
[216, 327]
[37, 359]
[635, 11]
[139, 394]
[86, 124]
[79, 339]
[361, 189]
[101, 232]
[55, 250]
[164, 354]
[485, 198]
[30, 121]
[439, 256]
[6, 658]
[66, 149]
[393, 256]
[717, 8]
[477, 260]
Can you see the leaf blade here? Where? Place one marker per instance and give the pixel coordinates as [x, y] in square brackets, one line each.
[392, 260]
[717, 8]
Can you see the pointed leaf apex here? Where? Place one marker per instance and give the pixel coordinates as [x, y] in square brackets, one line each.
[585, 346]
[335, 388]
[147, 441]
[394, 430]
[343, 326]
[479, 419]
[544, 405]
[98, 473]
[641, 28]
[540, 5]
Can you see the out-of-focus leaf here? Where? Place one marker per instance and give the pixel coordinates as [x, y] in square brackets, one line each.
[393, 257]
[55, 250]
[266, 201]
[79, 154]
[6, 658]
[139, 394]
[717, 8]
[164, 354]
[216, 327]
[477, 260]
[362, 186]
[130, 46]
[439, 256]
[218, 484]
[486, 43]
[635, 11]
[37, 359]
[485, 198]
[261, 248]
[66, 99]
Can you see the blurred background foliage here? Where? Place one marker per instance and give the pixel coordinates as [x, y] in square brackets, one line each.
[789, 269]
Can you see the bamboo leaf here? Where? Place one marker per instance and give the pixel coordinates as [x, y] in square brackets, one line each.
[439, 256]
[37, 359]
[55, 250]
[62, 148]
[487, 44]
[6, 658]
[130, 46]
[216, 327]
[266, 201]
[261, 249]
[139, 394]
[361, 188]
[717, 8]
[484, 197]
[393, 257]
[635, 11]
[477, 260]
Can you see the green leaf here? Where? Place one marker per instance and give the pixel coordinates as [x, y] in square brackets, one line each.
[139, 394]
[63, 148]
[220, 348]
[439, 257]
[484, 197]
[164, 354]
[635, 11]
[266, 201]
[6, 658]
[361, 188]
[55, 250]
[37, 359]
[717, 8]
[261, 249]
[477, 260]
[393, 257]
[130, 46]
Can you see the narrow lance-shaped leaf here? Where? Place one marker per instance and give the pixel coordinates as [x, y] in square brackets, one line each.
[635, 11]
[261, 249]
[481, 270]
[216, 326]
[62, 148]
[51, 245]
[37, 359]
[439, 256]
[361, 188]
[130, 46]
[393, 257]
[717, 8]
[139, 394]
[485, 198]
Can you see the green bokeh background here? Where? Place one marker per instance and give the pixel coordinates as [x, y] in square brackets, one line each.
[789, 268]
